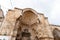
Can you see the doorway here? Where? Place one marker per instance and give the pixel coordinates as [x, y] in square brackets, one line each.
[23, 35]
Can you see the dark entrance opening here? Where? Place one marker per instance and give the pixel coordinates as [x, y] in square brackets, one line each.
[56, 34]
[24, 35]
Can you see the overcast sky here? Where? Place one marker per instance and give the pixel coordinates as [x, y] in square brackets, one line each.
[50, 8]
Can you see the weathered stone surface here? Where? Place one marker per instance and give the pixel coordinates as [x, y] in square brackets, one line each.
[29, 17]
[9, 22]
[27, 24]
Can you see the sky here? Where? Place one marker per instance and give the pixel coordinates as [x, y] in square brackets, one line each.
[50, 8]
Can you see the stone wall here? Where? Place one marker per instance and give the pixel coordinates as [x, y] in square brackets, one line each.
[19, 19]
[9, 22]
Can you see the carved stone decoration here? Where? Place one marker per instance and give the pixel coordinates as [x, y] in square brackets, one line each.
[27, 24]
[24, 29]
[56, 34]
[29, 17]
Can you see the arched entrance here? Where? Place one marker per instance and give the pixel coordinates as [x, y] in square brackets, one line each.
[56, 34]
[24, 35]
[24, 29]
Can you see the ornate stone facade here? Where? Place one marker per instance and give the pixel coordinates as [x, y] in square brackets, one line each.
[27, 24]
